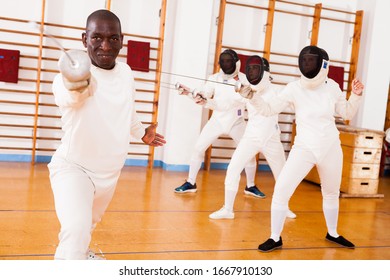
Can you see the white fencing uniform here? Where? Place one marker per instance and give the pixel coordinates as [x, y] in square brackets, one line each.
[230, 122]
[316, 143]
[262, 134]
[86, 166]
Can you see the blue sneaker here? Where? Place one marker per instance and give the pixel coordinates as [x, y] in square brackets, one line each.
[254, 191]
[186, 187]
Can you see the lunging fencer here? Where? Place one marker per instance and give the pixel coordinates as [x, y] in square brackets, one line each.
[220, 88]
[316, 99]
[98, 117]
[262, 134]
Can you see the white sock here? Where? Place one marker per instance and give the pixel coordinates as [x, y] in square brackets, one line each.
[194, 169]
[278, 216]
[331, 213]
[230, 196]
[250, 172]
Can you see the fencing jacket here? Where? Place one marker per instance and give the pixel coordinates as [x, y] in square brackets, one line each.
[222, 93]
[97, 123]
[314, 111]
[259, 127]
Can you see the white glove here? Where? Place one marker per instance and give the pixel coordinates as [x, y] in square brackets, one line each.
[246, 92]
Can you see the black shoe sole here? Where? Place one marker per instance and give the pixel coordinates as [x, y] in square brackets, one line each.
[275, 248]
[339, 244]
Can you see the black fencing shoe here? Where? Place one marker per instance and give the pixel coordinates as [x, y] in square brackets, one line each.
[186, 187]
[340, 240]
[270, 245]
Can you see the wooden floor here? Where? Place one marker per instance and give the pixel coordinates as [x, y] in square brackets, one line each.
[148, 221]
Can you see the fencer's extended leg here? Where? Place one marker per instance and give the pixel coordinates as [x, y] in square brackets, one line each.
[105, 186]
[243, 154]
[276, 158]
[210, 132]
[237, 132]
[298, 164]
[330, 172]
[73, 197]
[104, 190]
[100, 205]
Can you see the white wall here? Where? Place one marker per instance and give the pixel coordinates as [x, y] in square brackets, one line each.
[185, 53]
[374, 59]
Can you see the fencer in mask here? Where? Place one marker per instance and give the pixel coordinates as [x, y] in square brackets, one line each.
[316, 99]
[258, 76]
[230, 64]
[262, 134]
[314, 66]
[219, 90]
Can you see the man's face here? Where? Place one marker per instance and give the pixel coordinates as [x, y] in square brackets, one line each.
[227, 63]
[103, 40]
[309, 64]
[253, 72]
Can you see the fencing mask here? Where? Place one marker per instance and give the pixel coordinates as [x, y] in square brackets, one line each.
[229, 63]
[314, 65]
[257, 72]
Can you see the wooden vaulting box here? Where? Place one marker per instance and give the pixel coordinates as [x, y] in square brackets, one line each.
[362, 150]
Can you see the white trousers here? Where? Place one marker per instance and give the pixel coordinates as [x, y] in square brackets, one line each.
[273, 152]
[81, 198]
[300, 161]
[210, 132]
